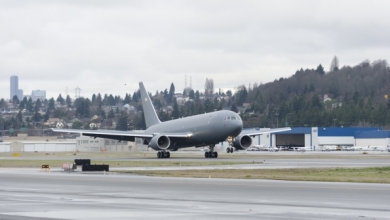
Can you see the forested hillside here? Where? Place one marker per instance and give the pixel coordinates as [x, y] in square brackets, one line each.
[358, 98]
[349, 96]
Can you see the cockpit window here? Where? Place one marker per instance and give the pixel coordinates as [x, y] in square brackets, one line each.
[232, 118]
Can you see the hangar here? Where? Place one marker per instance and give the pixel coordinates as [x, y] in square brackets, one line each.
[318, 138]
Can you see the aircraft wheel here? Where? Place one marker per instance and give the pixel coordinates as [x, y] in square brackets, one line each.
[159, 154]
[215, 154]
[168, 154]
[228, 150]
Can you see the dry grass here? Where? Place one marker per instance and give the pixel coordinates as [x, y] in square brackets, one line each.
[362, 175]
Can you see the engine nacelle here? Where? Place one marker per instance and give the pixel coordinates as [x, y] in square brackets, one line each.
[160, 142]
[242, 142]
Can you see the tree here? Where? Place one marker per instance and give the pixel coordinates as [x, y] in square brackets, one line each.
[171, 93]
[111, 114]
[51, 104]
[37, 105]
[60, 99]
[320, 70]
[334, 66]
[175, 113]
[77, 125]
[68, 101]
[121, 124]
[192, 94]
[209, 88]
[29, 105]
[22, 104]
[15, 100]
[234, 108]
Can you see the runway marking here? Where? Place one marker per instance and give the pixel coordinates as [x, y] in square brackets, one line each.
[216, 184]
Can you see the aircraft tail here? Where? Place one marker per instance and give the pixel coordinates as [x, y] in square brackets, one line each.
[150, 114]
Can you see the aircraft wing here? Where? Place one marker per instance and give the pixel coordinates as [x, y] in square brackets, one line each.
[120, 135]
[254, 132]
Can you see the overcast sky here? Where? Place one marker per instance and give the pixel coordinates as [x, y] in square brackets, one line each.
[109, 46]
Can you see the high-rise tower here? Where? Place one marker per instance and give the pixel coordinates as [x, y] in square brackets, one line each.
[14, 85]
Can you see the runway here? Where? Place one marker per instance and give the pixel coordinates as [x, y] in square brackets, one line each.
[30, 195]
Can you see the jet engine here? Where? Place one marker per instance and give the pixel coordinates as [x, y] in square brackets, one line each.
[160, 142]
[242, 142]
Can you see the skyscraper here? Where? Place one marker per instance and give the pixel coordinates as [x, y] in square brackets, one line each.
[14, 86]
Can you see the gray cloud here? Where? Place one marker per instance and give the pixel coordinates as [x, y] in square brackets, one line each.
[100, 46]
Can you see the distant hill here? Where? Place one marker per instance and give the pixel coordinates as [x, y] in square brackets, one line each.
[357, 96]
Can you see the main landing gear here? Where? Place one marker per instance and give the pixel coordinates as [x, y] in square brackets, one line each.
[211, 153]
[229, 150]
[163, 154]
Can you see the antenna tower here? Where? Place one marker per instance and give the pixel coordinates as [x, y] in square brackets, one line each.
[77, 92]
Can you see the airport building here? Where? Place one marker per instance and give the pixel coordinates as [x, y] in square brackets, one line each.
[319, 138]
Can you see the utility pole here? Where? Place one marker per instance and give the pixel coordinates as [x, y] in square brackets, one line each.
[277, 119]
[286, 117]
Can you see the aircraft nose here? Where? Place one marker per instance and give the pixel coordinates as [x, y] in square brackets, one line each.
[237, 128]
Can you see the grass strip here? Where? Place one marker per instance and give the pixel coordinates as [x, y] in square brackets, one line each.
[361, 175]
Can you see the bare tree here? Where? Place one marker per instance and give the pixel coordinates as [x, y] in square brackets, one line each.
[334, 66]
[209, 88]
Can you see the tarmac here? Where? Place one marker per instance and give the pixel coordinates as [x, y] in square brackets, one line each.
[29, 194]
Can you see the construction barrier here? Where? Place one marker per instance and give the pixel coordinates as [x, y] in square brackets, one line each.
[80, 162]
[16, 155]
[45, 168]
[67, 166]
[95, 167]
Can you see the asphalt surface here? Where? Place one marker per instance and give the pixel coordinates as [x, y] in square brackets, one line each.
[29, 194]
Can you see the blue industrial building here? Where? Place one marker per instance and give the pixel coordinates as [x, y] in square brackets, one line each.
[321, 137]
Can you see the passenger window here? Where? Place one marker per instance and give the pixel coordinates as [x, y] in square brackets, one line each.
[233, 118]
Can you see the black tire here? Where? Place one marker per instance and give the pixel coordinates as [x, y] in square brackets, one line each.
[158, 155]
[216, 155]
[206, 154]
[228, 150]
[169, 154]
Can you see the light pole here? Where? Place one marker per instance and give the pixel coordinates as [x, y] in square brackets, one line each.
[277, 119]
[334, 122]
[286, 117]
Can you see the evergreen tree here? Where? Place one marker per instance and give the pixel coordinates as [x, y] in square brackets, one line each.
[60, 99]
[234, 108]
[171, 93]
[51, 104]
[320, 70]
[68, 101]
[122, 122]
[175, 112]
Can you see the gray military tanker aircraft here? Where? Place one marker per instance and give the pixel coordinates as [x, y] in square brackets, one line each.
[199, 130]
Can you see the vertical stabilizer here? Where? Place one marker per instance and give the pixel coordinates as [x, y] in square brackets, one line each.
[151, 117]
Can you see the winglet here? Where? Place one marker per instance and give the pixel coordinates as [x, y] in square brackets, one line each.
[151, 117]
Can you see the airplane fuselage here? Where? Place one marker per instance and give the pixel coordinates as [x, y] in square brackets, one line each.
[205, 129]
